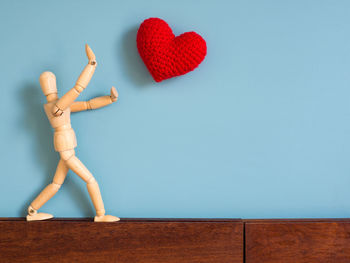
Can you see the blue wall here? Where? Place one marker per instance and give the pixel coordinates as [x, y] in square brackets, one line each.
[260, 129]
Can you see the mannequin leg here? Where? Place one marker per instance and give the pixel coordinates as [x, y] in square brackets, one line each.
[47, 194]
[79, 168]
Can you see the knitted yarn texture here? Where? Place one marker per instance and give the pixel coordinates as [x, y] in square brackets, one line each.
[165, 55]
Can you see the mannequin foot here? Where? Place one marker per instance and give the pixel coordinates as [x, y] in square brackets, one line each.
[38, 217]
[106, 218]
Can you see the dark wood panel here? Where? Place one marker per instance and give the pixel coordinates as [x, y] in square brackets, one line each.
[302, 241]
[130, 240]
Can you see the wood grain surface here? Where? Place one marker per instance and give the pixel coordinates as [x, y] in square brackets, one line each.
[127, 241]
[301, 241]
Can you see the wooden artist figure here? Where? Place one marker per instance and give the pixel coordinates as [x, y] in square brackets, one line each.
[58, 111]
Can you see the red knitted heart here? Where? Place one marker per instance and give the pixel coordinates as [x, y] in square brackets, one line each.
[165, 55]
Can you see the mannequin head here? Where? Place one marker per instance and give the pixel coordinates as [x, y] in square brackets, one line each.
[48, 85]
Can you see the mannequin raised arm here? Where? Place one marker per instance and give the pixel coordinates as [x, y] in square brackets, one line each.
[67, 99]
[95, 103]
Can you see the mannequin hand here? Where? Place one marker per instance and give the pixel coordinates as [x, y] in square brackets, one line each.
[90, 55]
[114, 94]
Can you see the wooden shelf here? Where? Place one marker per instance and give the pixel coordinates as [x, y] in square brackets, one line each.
[176, 240]
[297, 240]
[127, 241]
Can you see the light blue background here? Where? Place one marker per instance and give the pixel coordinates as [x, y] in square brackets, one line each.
[260, 129]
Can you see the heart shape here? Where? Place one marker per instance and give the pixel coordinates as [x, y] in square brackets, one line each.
[165, 55]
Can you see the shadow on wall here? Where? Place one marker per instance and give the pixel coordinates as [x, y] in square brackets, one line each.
[35, 123]
[133, 64]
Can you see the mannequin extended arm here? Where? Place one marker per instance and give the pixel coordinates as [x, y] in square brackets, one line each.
[95, 103]
[67, 99]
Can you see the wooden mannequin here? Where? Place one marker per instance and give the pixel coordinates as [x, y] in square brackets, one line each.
[58, 112]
